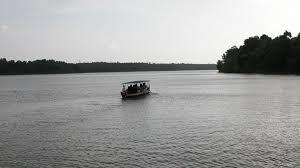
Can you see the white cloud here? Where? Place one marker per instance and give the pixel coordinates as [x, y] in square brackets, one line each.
[63, 7]
[114, 47]
[3, 28]
[68, 10]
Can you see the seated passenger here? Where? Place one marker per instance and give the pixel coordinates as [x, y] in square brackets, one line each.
[134, 88]
[129, 89]
[141, 86]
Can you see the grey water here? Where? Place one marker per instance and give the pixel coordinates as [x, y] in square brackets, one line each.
[192, 119]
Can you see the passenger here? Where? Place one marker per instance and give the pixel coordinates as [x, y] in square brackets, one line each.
[134, 88]
[130, 88]
[141, 86]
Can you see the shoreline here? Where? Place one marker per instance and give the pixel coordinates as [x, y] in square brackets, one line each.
[11, 67]
[106, 72]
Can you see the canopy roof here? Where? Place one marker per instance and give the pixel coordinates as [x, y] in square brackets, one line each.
[134, 82]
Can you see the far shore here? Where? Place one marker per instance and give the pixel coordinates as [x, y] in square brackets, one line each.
[44, 66]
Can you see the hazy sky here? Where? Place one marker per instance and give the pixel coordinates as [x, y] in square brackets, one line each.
[190, 31]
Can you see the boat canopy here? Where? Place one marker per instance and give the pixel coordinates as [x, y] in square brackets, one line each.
[134, 82]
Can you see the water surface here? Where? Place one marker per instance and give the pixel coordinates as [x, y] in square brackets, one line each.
[192, 119]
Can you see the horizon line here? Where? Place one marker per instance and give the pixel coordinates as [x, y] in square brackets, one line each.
[83, 62]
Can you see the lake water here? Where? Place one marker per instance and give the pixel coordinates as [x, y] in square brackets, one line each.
[192, 119]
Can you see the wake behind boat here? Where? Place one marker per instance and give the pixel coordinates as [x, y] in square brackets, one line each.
[135, 88]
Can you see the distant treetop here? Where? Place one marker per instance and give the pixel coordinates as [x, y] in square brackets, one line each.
[263, 54]
[53, 67]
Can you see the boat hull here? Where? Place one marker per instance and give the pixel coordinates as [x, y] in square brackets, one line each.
[129, 95]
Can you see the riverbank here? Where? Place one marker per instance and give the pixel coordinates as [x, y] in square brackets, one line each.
[58, 67]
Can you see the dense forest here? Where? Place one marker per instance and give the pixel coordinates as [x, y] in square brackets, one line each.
[52, 67]
[263, 54]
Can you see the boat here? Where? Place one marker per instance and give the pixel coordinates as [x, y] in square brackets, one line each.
[135, 88]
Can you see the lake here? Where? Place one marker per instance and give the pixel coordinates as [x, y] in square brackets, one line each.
[192, 119]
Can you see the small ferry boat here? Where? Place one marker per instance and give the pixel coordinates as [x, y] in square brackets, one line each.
[135, 88]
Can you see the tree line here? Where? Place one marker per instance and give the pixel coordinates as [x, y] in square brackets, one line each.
[44, 66]
[263, 54]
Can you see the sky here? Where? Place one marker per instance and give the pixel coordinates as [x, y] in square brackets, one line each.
[159, 31]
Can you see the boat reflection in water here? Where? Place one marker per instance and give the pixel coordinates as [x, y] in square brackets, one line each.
[135, 88]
